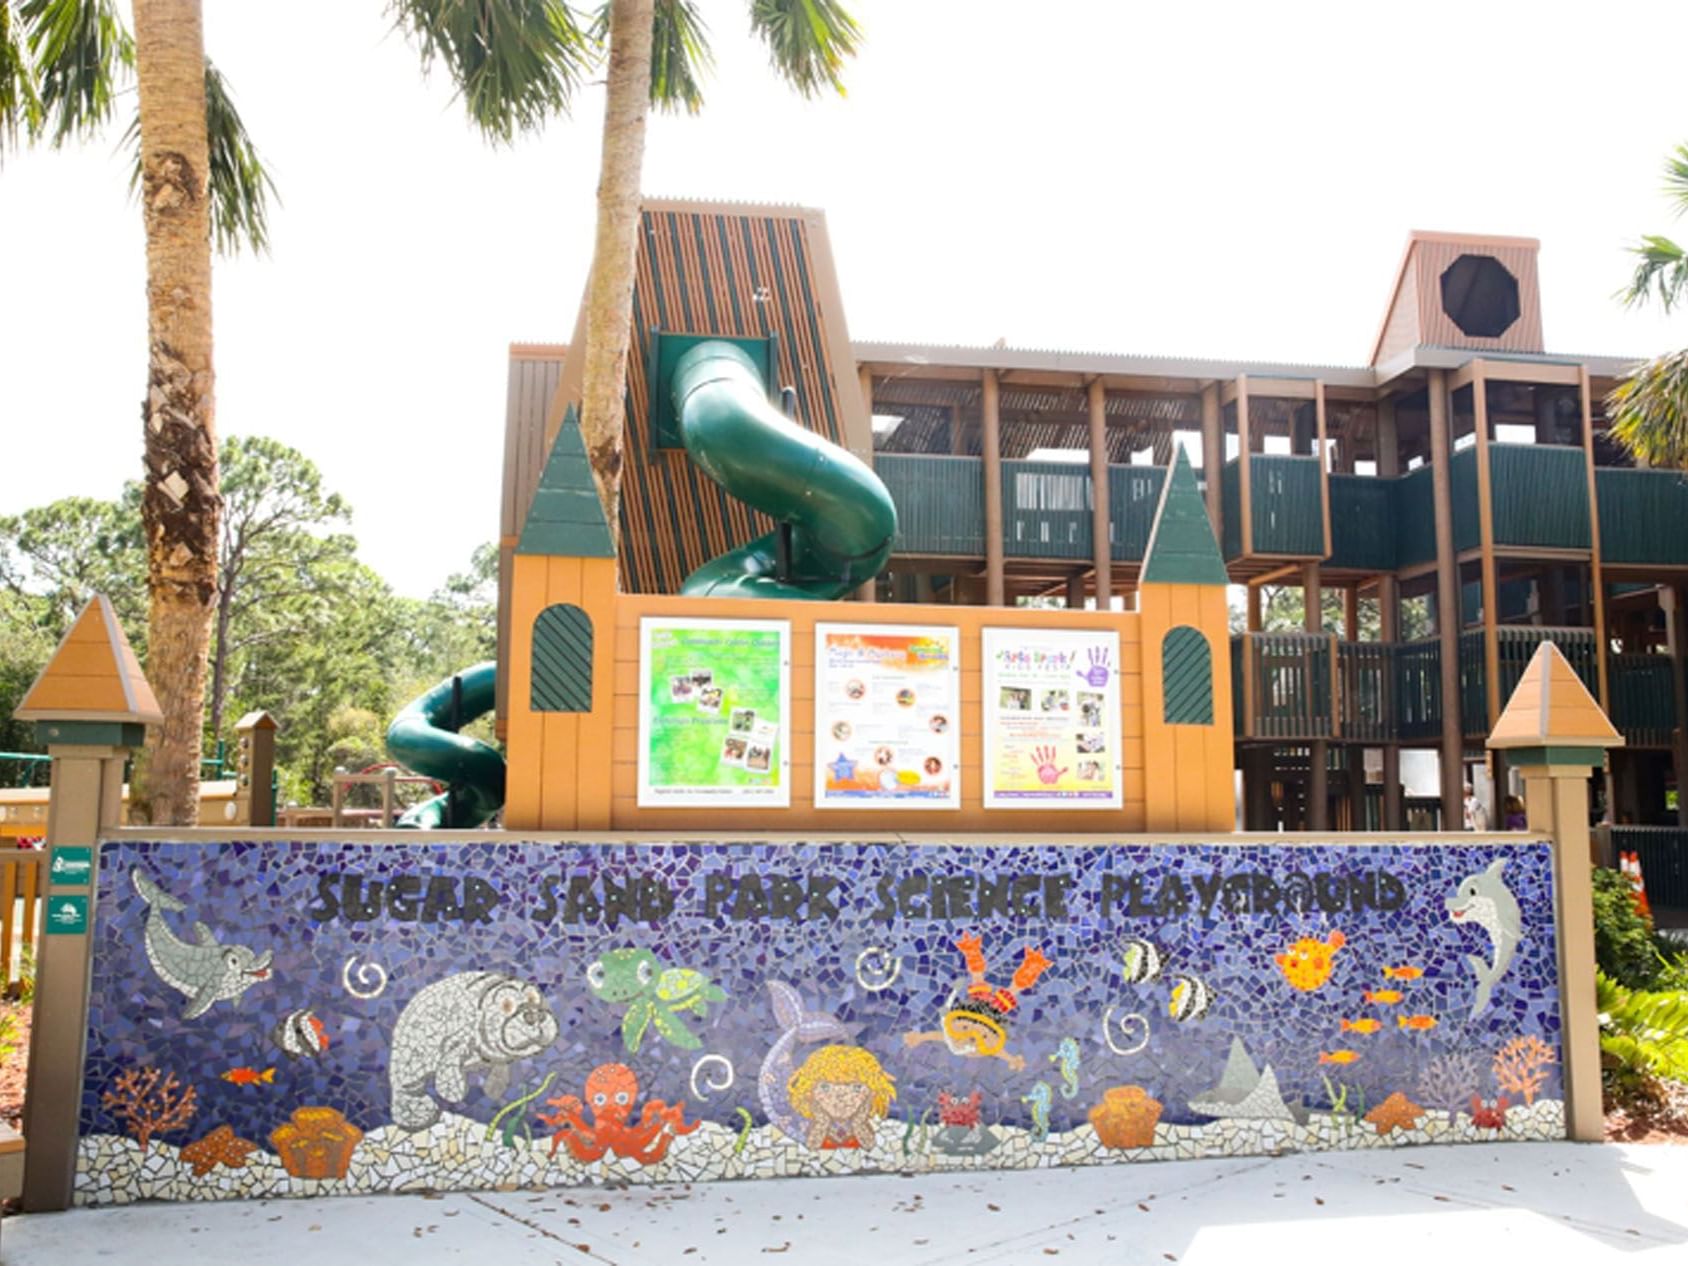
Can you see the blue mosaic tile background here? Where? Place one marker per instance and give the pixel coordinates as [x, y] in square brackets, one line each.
[259, 895]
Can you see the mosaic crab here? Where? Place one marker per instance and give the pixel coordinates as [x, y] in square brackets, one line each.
[653, 994]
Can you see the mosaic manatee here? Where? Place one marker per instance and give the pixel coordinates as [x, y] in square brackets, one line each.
[205, 972]
[473, 1020]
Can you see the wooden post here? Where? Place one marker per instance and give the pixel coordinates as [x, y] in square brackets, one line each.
[389, 797]
[1245, 492]
[1322, 450]
[254, 764]
[1213, 460]
[1447, 600]
[1597, 580]
[868, 590]
[1673, 597]
[1554, 733]
[1318, 761]
[1075, 591]
[1101, 521]
[991, 451]
[1389, 632]
[1486, 545]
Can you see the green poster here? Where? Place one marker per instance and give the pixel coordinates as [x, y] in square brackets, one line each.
[714, 723]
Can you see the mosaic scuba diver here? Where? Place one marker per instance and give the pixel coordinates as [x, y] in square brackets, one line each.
[975, 1026]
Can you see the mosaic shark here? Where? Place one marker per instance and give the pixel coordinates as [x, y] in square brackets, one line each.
[1484, 899]
[205, 971]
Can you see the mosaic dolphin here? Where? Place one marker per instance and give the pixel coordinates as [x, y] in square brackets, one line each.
[797, 1026]
[1485, 900]
[472, 1020]
[206, 971]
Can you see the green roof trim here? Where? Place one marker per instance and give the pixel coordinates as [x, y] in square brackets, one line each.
[566, 519]
[1181, 548]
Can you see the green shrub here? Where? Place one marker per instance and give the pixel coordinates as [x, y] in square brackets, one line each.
[20, 988]
[1625, 946]
[1643, 1037]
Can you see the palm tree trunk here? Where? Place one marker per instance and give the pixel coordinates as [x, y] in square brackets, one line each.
[180, 505]
[609, 295]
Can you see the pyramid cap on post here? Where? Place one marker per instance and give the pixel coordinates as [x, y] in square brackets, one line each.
[1182, 549]
[1551, 710]
[93, 676]
[259, 720]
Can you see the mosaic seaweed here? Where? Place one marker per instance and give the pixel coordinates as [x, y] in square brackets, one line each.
[1089, 1014]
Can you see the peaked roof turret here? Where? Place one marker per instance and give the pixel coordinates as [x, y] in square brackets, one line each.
[1182, 550]
[1552, 708]
[93, 676]
[566, 519]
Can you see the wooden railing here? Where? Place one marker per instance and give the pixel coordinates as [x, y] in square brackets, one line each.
[1288, 685]
[22, 885]
[1643, 698]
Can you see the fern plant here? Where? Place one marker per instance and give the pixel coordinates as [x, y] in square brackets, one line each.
[1643, 1035]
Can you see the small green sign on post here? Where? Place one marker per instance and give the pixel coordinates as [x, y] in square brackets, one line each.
[67, 914]
[72, 864]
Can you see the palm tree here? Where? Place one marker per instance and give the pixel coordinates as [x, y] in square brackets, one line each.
[658, 52]
[63, 63]
[1649, 408]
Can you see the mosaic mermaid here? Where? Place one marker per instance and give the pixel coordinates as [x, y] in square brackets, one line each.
[976, 1026]
[843, 1094]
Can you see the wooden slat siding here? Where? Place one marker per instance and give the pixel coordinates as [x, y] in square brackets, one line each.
[1400, 328]
[802, 815]
[1437, 329]
[699, 272]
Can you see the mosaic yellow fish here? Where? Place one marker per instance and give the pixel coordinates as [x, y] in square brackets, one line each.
[1309, 962]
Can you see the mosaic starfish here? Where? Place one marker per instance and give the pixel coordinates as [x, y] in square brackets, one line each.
[1397, 1112]
[220, 1147]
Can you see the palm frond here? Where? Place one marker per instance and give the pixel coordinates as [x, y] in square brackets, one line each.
[680, 56]
[20, 104]
[807, 41]
[514, 62]
[240, 184]
[1662, 267]
[1649, 411]
[241, 187]
[1676, 179]
[82, 53]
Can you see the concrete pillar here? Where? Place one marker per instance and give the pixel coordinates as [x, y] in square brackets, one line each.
[1447, 601]
[1101, 520]
[991, 449]
[87, 799]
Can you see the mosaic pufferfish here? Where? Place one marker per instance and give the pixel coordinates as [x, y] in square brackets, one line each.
[1309, 962]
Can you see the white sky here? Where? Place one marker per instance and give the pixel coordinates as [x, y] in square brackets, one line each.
[1184, 178]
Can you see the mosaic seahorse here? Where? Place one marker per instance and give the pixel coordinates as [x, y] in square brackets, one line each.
[1066, 1055]
[1040, 1099]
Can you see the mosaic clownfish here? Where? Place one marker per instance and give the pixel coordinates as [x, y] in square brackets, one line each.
[1309, 962]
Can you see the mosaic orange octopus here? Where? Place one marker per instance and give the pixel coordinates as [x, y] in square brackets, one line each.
[611, 1090]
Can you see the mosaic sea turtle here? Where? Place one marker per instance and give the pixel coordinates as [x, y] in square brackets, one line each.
[653, 994]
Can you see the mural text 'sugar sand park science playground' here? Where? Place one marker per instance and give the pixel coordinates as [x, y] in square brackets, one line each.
[786, 881]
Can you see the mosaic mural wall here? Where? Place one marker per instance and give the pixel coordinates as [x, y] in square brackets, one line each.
[293, 1018]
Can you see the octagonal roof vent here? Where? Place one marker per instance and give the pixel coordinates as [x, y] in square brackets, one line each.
[1480, 296]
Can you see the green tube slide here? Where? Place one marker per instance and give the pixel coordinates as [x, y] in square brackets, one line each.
[839, 519]
[423, 739]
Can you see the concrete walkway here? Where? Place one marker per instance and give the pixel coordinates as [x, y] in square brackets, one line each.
[1531, 1204]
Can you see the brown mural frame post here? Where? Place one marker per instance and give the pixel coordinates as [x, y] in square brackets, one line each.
[91, 706]
[1555, 734]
